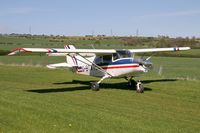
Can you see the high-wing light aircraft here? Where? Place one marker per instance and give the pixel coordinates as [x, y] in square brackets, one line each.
[104, 63]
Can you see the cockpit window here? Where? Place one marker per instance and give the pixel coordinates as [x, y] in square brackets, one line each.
[99, 60]
[107, 58]
[115, 56]
[103, 60]
[124, 53]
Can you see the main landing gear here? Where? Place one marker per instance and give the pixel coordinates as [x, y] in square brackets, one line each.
[95, 85]
[131, 83]
[137, 84]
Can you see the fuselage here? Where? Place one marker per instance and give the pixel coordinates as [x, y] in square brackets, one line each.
[119, 64]
[123, 67]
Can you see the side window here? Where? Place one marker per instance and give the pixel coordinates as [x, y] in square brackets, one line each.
[99, 60]
[103, 60]
[107, 58]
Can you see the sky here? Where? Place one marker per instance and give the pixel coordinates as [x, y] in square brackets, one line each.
[174, 18]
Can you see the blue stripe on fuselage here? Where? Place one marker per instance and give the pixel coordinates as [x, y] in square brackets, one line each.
[123, 61]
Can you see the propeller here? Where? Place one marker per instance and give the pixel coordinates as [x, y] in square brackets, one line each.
[146, 63]
[158, 69]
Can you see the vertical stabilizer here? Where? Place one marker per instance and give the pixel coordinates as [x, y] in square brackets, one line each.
[71, 59]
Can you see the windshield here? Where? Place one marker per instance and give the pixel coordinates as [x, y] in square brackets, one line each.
[123, 54]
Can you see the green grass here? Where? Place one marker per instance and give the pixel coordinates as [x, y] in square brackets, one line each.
[36, 99]
[30, 60]
[178, 67]
[9, 43]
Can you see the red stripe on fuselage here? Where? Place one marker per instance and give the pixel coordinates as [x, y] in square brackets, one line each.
[116, 67]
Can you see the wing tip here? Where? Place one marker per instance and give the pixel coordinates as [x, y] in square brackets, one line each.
[184, 48]
[15, 51]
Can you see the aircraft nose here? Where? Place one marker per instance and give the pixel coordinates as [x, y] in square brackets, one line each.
[148, 64]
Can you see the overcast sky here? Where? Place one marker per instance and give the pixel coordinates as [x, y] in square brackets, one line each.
[122, 17]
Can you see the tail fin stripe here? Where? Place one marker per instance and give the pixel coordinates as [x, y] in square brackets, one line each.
[67, 47]
[71, 59]
[75, 60]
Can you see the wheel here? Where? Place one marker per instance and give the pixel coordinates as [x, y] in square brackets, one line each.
[131, 83]
[139, 87]
[95, 86]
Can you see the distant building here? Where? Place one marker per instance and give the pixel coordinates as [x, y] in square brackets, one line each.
[89, 35]
[101, 35]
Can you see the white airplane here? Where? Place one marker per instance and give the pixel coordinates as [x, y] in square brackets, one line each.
[104, 63]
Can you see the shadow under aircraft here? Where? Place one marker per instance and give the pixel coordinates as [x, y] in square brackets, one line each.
[85, 86]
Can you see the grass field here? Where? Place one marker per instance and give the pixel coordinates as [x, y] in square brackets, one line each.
[8, 43]
[36, 99]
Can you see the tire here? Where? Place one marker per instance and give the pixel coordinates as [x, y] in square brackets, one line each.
[139, 87]
[95, 86]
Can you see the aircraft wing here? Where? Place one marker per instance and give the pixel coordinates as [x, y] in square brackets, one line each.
[57, 50]
[94, 51]
[158, 49]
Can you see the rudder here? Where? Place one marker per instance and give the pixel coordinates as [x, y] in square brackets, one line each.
[71, 59]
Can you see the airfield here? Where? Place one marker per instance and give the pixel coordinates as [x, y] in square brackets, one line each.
[34, 98]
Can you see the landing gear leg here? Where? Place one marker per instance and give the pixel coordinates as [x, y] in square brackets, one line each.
[131, 82]
[139, 87]
[95, 85]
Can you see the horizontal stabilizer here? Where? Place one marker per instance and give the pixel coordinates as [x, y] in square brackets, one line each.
[59, 65]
